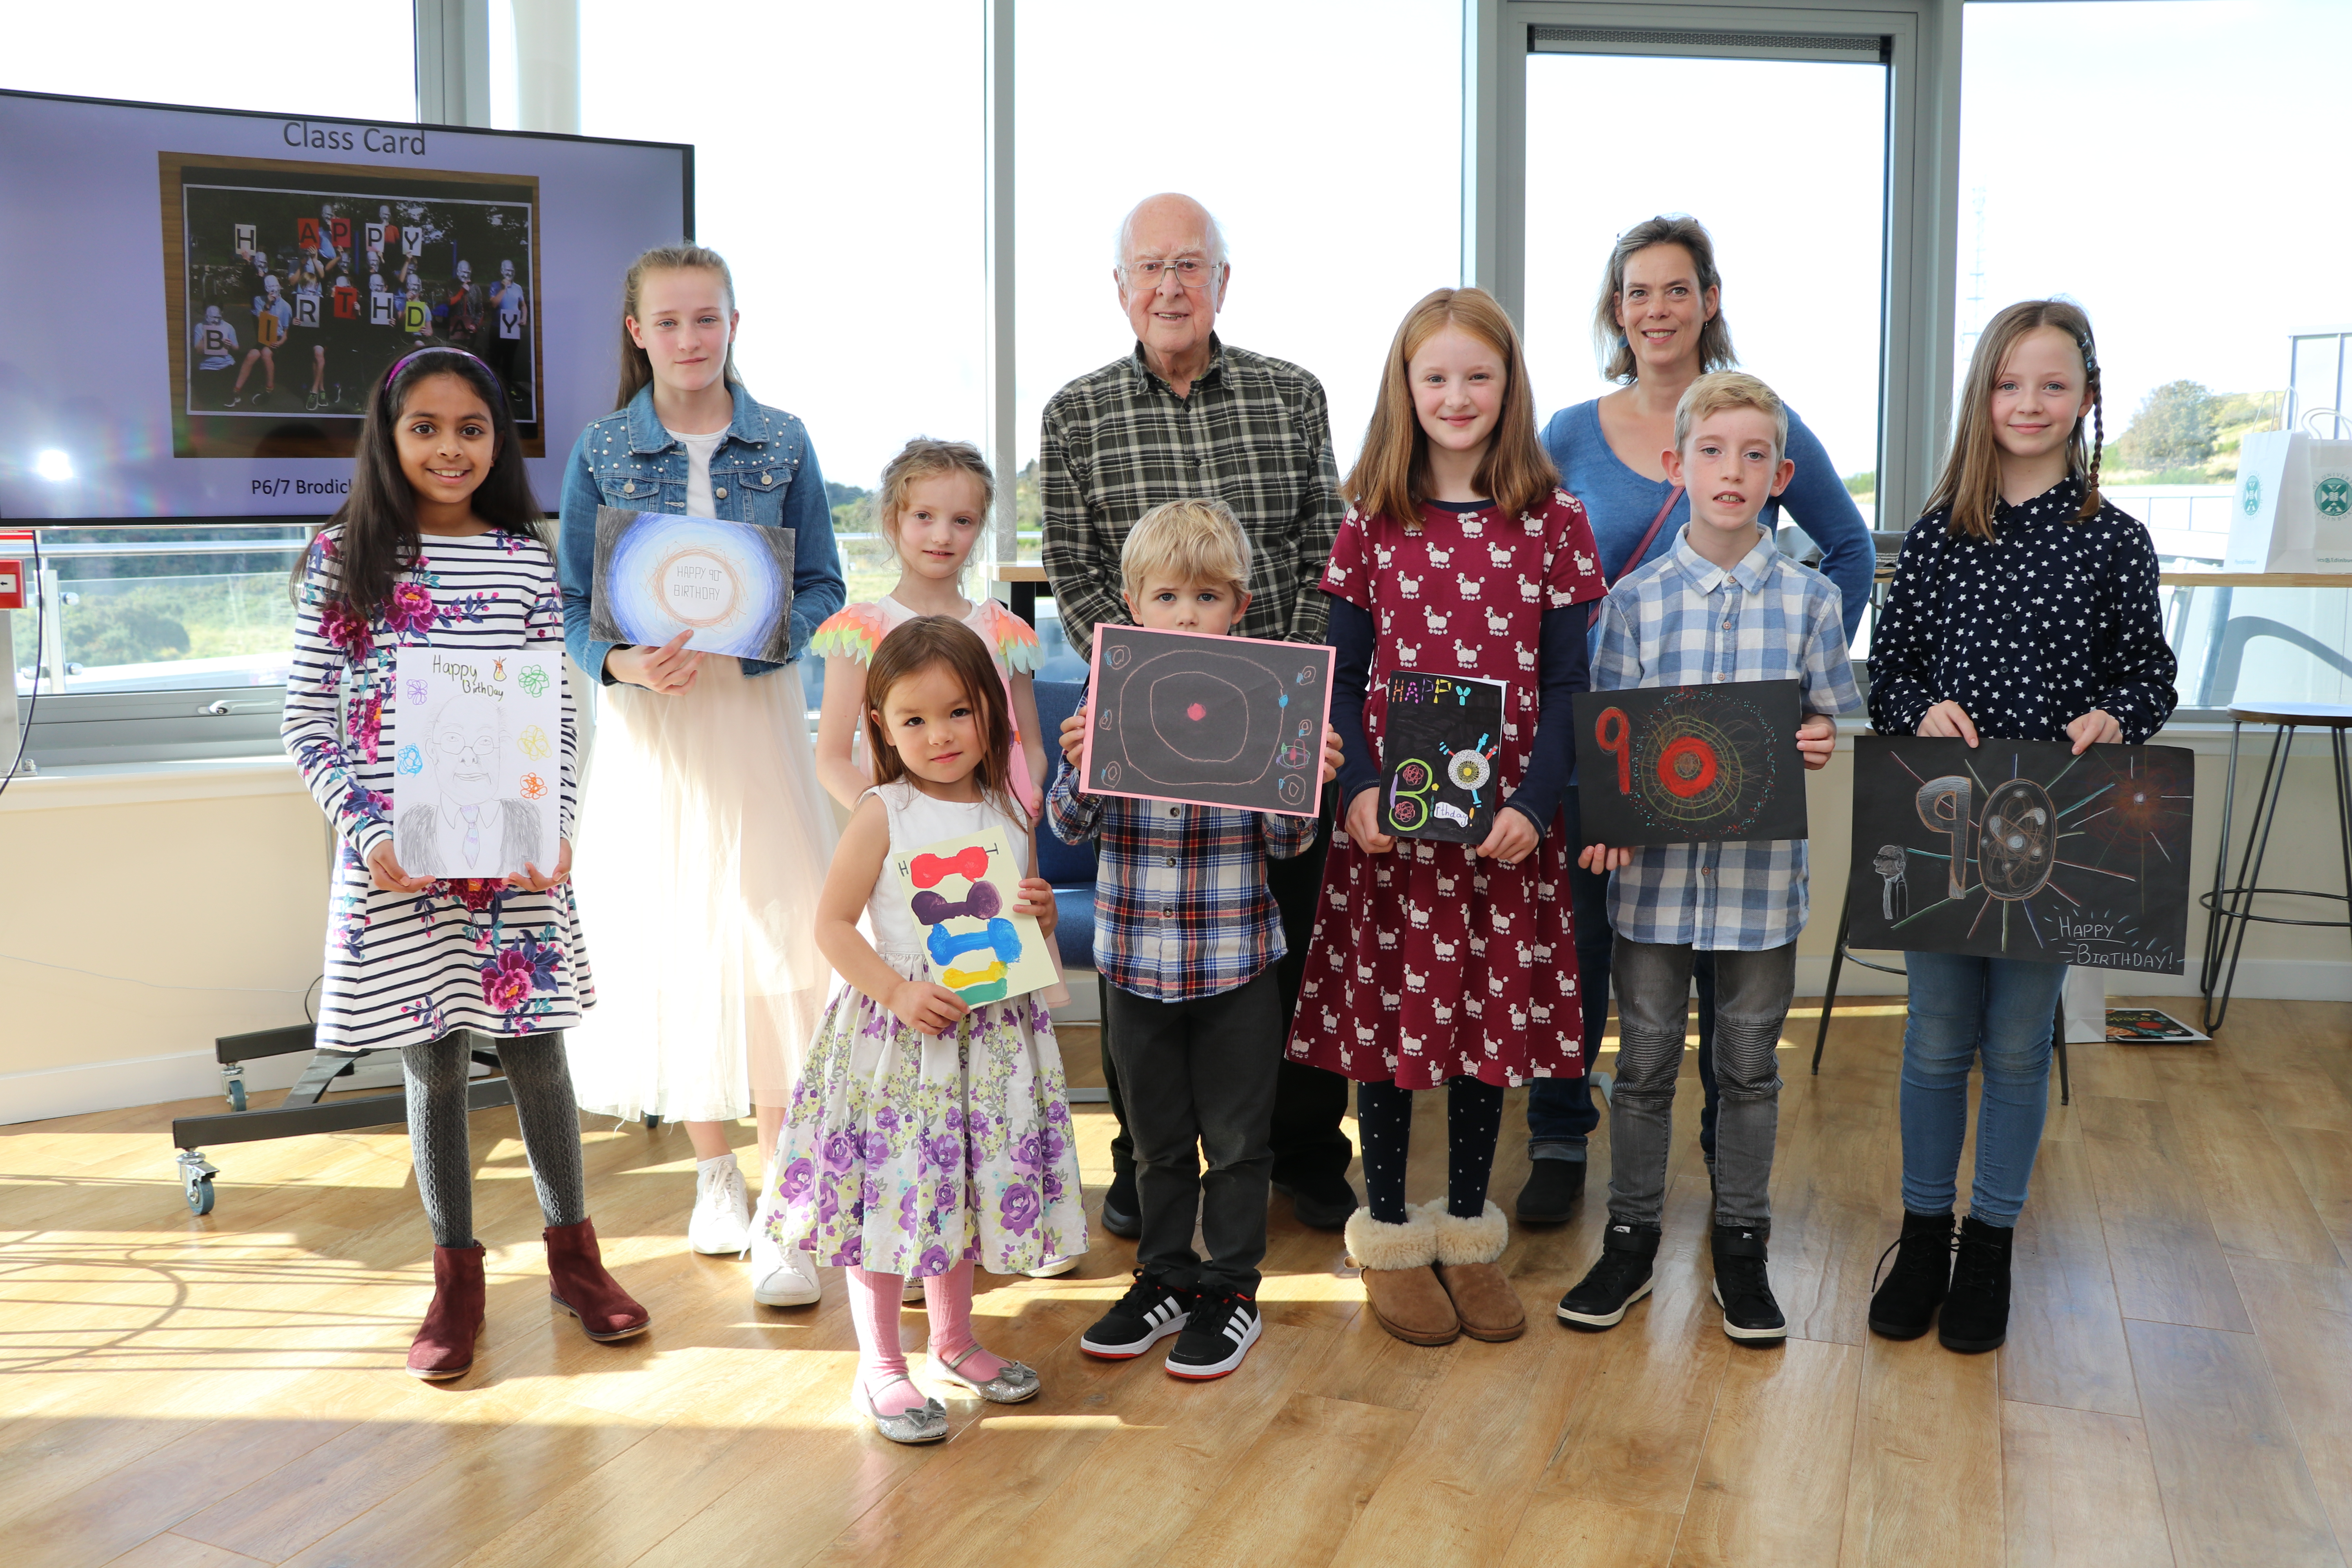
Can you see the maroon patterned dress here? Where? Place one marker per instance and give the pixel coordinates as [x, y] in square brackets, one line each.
[1428, 962]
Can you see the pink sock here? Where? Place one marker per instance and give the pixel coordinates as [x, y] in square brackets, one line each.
[947, 1300]
[881, 1365]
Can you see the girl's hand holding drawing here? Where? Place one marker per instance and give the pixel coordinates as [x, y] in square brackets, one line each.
[1599, 859]
[668, 670]
[2096, 727]
[530, 882]
[385, 872]
[1948, 720]
[926, 1009]
[1816, 738]
[1364, 822]
[1512, 839]
[1037, 901]
[1332, 753]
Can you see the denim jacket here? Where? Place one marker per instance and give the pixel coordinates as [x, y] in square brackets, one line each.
[763, 472]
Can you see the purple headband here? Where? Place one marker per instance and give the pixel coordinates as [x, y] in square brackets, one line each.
[403, 362]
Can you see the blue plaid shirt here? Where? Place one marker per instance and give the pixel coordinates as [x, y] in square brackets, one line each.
[1681, 620]
[1181, 908]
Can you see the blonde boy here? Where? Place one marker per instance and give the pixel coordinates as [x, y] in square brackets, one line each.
[1723, 604]
[1188, 935]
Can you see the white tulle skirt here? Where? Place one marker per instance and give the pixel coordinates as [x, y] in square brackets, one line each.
[704, 840]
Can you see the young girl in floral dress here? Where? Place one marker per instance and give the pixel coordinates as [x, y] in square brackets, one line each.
[439, 546]
[1437, 963]
[925, 1135]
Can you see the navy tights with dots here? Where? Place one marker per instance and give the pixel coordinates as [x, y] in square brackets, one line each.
[1474, 1122]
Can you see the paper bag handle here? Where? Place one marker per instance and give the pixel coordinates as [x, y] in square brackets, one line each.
[2338, 422]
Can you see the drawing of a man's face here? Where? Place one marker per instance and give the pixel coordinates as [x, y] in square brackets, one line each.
[465, 744]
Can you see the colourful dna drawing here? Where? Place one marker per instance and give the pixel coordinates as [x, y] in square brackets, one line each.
[986, 982]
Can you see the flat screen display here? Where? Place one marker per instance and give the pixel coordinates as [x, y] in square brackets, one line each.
[204, 298]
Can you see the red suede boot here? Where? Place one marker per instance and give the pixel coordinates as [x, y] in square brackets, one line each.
[443, 1347]
[576, 1281]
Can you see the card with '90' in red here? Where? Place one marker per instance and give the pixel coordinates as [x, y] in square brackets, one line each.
[1681, 764]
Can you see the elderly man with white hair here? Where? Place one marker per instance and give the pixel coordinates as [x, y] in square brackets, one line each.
[1187, 416]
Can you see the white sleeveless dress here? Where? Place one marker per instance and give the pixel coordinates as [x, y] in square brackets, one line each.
[908, 1154]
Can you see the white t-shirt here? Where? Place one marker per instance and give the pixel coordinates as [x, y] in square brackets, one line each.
[700, 501]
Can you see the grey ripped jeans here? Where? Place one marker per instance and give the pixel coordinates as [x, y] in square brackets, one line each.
[1751, 999]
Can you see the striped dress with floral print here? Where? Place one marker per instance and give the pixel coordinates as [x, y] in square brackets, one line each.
[403, 969]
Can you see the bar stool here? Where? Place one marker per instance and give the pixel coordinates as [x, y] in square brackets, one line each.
[2232, 908]
[1843, 955]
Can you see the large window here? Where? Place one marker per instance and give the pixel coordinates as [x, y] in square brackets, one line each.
[838, 168]
[355, 61]
[1799, 235]
[2154, 160]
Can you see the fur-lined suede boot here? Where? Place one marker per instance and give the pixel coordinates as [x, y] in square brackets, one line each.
[1399, 1283]
[1467, 1253]
[576, 1281]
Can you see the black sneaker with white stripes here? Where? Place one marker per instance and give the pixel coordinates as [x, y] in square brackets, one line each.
[1148, 1313]
[1223, 1328]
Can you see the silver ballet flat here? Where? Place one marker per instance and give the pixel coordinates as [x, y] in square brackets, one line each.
[927, 1424]
[1011, 1386]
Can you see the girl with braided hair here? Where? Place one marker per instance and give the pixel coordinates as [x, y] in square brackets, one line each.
[2023, 607]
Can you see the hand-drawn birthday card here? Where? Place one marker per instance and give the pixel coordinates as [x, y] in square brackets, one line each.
[2023, 850]
[1216, 721]
[1438, 743]
[961, 893]
[1687, 764]
[729, 583]
[478, 764]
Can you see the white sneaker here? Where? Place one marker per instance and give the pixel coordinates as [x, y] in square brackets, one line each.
[779, 1277]
[910, 1291]
[1055, 1266]
[722, 1210]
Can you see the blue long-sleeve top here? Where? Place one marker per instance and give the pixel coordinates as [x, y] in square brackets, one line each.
[1564, 657]
[764, 473]
[1621, 503]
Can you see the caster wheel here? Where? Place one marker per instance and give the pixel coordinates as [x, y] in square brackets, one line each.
[652, 1122]
[198, 1191]
[236, 1095]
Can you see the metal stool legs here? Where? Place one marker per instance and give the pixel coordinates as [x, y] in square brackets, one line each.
[2231, 909]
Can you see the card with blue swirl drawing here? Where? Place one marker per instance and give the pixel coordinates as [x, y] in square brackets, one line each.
[961, 893]
[478, 763]
[727, 583]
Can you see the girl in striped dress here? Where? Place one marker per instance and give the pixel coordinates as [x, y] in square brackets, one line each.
[440, 545]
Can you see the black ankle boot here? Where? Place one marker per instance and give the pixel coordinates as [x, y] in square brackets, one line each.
[1903, 1307]
[1976, 1314]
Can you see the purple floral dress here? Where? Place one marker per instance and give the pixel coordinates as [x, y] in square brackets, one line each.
[910, 1153]
[403, 969]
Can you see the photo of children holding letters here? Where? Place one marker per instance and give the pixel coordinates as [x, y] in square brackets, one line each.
[300, 283]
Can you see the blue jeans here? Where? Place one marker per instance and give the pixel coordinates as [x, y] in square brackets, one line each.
[1561, 1113]
[1997, 1011]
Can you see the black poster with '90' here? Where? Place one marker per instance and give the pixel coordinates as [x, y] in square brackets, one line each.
[1683, 764]
[1441, 741]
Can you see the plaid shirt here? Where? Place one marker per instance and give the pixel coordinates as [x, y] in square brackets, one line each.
[1253, 432]
[1681, 620]
[1181, 908]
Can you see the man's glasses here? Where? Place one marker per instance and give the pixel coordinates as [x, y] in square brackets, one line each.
[1191, 271]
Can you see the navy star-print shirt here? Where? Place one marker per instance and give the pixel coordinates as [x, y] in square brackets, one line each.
[2029, 630]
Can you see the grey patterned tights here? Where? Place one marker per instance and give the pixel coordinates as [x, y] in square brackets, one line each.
[542, 1078]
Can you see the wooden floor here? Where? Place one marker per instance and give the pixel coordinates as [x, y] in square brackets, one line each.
[2177, 1387]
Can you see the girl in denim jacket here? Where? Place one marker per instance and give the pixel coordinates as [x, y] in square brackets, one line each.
[711, 836]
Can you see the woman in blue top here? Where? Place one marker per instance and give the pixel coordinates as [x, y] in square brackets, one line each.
[707, 837]
[1658, 326]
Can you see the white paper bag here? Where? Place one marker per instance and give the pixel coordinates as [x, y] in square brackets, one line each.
[2293, 511]
[2086, 1006]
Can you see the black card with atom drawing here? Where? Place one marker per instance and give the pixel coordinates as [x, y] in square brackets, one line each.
[1217, 721]
[2023, 850]
[1439, 744]
[1685, 765]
